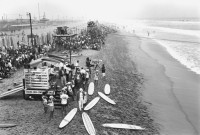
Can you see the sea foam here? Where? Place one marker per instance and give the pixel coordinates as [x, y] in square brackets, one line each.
[183, 45]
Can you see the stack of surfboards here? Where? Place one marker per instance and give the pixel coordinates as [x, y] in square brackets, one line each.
[91, 88]
[68, 118]
[88, 124]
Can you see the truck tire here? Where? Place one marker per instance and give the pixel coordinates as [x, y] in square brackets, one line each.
[25, 96]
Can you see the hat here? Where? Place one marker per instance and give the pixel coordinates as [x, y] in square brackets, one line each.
[51, 97]
[69, 83]
[81, 89]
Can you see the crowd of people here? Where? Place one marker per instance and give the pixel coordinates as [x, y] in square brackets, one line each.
[14, 59]
[92, 38]
[74, 84]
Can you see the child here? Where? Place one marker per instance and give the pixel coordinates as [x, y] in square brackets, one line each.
[44, 100]
[103, 69]
[96, 78]
[51, 106]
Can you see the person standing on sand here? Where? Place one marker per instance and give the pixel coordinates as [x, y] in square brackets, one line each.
[62, 76]
[64, 97]
[87, 76]
[80, 98]
[44, 99]
[85, 97]
[103, 69]
[51, 106]
[70, 91]
[96, 77]
[76, 65]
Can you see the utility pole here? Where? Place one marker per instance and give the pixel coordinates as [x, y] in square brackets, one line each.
[39, 11]
[70, 51]
[31, 29]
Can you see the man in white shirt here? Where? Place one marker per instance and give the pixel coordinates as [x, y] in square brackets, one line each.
[64, 97]
[76, 65]
[80, 98]
[82, 71]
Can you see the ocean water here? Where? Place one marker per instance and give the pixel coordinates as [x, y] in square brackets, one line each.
[180, 38]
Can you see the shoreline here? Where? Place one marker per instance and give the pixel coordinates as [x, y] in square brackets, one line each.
[177, 111]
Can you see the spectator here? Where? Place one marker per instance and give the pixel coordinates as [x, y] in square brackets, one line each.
[44, 99]
[103, 69]
[51, 106]
[96, 77]
[62, 76]
[64, 97]
[80, 97]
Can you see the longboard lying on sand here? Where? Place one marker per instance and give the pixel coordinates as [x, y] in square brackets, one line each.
[68, 118]
[88, 124]
[11, 91]
[92, 103]
[55, 56]
[7, 125]
[107, 89]
[52, 60]
[123, 126]
[106, 98]
[91, 88]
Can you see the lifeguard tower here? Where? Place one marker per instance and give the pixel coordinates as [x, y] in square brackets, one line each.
[62, 37]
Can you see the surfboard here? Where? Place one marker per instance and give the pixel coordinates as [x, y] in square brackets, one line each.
[7, 125]
[18, 85]
[68, 118]
[88, 124]
[106, 98]
[11, 91]
[91, 88]
[123, 126]
[107, 89]
[92, 103]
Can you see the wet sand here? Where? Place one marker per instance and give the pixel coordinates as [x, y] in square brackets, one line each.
[172, 89]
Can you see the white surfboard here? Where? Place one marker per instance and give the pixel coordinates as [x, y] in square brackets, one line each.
[91, 88]
[88, 124]
[106, 98]
[11, 91]
[19, 85]
[123, 126]
[68, 118]
[107, 89]
[7, 125]
[92, 103]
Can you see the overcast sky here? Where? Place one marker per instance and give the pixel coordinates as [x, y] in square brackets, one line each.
[102, 8]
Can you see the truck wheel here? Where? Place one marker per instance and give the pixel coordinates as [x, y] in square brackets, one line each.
[25, 96]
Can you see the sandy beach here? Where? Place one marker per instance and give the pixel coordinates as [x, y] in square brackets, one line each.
[151, 90]
[126, 90]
